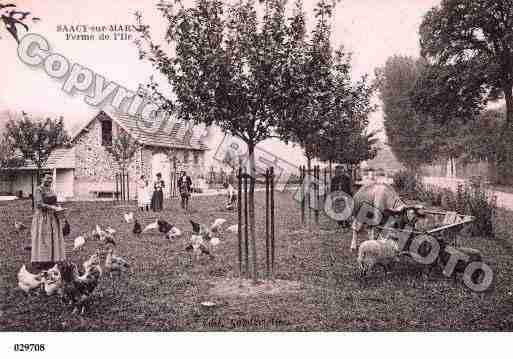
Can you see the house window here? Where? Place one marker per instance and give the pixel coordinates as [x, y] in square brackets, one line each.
[106, 133]
[196, 158]
[186, 157]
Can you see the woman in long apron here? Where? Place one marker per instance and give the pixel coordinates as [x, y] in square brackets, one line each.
[46, 230]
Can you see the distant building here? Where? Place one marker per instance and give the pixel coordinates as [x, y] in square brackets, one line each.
[87, 169]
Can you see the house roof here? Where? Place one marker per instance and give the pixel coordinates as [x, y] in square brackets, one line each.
[169, 134]
[60, 158]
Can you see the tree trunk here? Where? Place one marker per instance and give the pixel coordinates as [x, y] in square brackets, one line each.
[307, 194]
[508, 95]
[251, 200]
[505, 153]
[32, 189]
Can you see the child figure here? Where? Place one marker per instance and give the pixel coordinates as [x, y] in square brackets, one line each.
[142, 193]
[147, 195]
[231, 196]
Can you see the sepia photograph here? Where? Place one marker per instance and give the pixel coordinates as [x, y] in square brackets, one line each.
[293, 173]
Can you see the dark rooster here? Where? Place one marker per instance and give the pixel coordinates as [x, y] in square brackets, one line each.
[170, 230]
[200, 229]
[137, 230]
[109, 239]
[77, 289]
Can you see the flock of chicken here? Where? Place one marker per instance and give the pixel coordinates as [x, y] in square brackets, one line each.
[66, 280]
[201, 238]
[75, 285]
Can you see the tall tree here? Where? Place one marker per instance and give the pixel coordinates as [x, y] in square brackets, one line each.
[309, 80]
[480, 138]
[225, 68]
[474, 40]
[408, 134]
[36, 139]
[9, 158]
[345, 138]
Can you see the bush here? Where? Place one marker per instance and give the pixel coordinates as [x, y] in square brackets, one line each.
[473, 200]
[429, 194]
[469, 199]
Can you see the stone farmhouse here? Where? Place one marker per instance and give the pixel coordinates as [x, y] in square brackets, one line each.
[87, 170]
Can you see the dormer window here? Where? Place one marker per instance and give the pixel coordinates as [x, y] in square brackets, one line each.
[106, 133]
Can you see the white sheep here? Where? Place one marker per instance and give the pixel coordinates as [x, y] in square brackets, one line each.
[377, 252]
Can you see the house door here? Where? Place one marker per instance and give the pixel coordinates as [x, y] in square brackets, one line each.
[451, 167]
[160, 164]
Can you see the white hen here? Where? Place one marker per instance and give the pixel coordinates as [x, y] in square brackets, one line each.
[173, 233]
[78, 242]
[28, 281]
[129, 217]
[152, 225]
[217, 224]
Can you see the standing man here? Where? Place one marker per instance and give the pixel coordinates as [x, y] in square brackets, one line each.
[185, 188]
[341, 182]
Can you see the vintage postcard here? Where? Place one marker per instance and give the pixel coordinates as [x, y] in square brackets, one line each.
[255, 166]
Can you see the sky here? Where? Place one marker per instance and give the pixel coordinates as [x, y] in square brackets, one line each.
[372, 30]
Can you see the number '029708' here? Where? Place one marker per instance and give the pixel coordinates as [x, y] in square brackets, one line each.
[29, 347]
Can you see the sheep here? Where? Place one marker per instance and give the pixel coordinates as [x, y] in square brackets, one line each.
[377, 252]
[384, 200]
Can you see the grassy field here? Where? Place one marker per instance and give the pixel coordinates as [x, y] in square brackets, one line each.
[164, 289]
